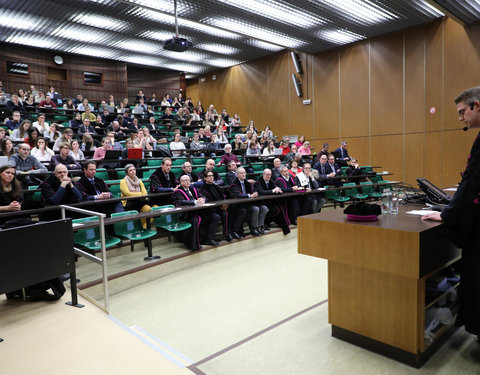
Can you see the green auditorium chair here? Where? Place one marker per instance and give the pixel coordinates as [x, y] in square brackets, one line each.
[333, 194]
[352, 191]
[367, 188]
[170, 222]
[132, 229]
[90, 238]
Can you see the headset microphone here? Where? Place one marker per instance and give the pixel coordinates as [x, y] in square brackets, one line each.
[465, 128]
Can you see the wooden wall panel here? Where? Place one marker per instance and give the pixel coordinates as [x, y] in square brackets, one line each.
[325, 101]
[387, 151]
[354, 91]
[414, 157]
[359, 148]
[149, 80]
[386, 72]
[240, 93]
[433, 157]
[258, 97]
[193, 90]
[461, 70]
[300, 115]
[434, 76]
[415, 80]
[279, 91]
[114, 73]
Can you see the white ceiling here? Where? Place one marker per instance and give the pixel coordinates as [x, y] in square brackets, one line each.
[223, 32]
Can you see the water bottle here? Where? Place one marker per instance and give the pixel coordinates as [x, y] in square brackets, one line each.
[386, 201]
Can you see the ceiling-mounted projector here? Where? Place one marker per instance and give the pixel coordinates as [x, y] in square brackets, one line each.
[177, 44]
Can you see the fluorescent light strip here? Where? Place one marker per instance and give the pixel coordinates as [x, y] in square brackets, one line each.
[431, 9]
[100, 52]
[218, 48]
[79, 33]
[277, 11]
[153, 16]
[258, 33]
[360, 10]
[137, 45]
[263, 45]
[99, 21]
[209, 29]
[222, 63]
[165, 5]
[189, 56]
[339, 36]
[186, 68]
[157, 35]
[19, 21]
[31, 40]
[143, 60]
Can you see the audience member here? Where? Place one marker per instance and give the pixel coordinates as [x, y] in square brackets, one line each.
[41, 150]
[65, 138]
[214, 193]
[21, 132]
[29, 170]
[94, 188]
[305, 180]
[11, 197]
[276, 211]
[58, 188]
[163, 180]
[15, 122]
[14, 104]
[287, 184]
[76, 153]
[342, 154]
[47, 103]
[6, 148]
[241, 188]
[64, 158]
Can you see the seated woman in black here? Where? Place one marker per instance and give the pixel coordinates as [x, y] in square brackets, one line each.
[11, 196]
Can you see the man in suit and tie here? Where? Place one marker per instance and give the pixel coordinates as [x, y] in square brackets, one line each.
[342, 154]
[333, 167]
[277, 164]
[232, 172]
[276, 211]
[241, 188]
[93, 188]
[151, 124]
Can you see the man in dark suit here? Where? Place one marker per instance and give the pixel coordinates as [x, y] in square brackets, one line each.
[277, 212]
[94, 188]
[151, 124]
[187, 195]
[342, 154]
[333, 167]
[86, 127]
[209, 166]
[321, 167]
[232, 172]
[277, 164]
[231, 219]
[163, 180]
[461, 217]
[241, 188]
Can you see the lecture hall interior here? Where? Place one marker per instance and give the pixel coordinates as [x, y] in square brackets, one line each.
[333, 296]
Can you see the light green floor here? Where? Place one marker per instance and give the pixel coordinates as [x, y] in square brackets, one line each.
[205, 309]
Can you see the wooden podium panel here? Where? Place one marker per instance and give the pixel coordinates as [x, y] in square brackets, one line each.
[376, 275]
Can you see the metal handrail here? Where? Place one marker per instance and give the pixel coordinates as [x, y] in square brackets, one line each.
[102, 261]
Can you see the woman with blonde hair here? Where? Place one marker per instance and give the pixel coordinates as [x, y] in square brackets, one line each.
[132, 186]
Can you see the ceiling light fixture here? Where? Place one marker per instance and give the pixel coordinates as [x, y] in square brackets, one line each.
[362, 11]
[258, 33]
[277, 11]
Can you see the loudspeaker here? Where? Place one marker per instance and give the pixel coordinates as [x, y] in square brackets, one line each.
[296, 62]
[297, 85]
